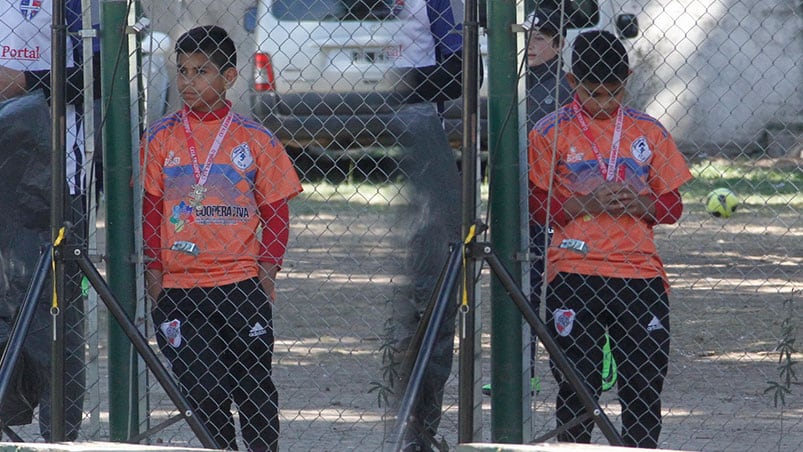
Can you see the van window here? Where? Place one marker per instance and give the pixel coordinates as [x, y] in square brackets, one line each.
[331, 10]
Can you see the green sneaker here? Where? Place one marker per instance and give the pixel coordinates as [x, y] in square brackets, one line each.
[486, 389]
[609, 373]
[535, 386]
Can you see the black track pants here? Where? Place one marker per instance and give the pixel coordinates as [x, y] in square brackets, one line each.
[636, 315]
[221, 351]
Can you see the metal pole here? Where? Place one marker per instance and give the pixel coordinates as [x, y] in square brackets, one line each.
[470, 159]
[16, 337]
[444, 297]
[506, 333]
[122, 319]
[58, 106]
[117, 149]
[555, 353]
[89, 16]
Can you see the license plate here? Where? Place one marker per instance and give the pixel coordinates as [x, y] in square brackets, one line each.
[371, 56]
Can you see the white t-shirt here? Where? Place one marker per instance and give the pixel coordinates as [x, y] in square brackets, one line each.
[423, 31]
[415, 37]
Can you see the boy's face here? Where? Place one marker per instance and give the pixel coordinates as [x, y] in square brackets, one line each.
[599, 100]
[200, 82]
[541, 47]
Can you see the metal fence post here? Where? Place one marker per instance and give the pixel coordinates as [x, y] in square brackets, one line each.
[119, 230]
[503, 148]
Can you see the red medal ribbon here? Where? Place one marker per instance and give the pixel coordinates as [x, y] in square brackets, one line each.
[617, 138]
[202, 174]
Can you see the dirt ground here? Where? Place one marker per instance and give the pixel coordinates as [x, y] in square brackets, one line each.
[730, 280]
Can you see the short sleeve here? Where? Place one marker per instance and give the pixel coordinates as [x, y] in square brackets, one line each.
[276, 177]
[540, 159]
[669, 169]
[151, 164]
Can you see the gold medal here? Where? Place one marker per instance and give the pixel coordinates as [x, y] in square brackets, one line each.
[198, 192]
[197, 195]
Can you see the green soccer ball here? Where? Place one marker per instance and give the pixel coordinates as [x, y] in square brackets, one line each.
[721, 203]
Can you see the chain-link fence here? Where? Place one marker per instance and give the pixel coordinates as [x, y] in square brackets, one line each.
[369, 233]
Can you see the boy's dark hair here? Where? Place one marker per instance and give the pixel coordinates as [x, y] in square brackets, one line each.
[598, 56]
[211, 40]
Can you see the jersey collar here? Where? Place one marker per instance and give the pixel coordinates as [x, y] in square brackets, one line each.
[206, 116]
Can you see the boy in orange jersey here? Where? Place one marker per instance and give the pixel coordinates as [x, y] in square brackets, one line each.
[603, 175]
[213, 180]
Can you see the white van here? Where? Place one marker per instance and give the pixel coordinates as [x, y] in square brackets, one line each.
[320, 66]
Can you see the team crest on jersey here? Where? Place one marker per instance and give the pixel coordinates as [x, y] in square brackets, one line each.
[640, 149]
[241, 156]
[655, 324]
[564, 320]
[30, 8]
[172, 332]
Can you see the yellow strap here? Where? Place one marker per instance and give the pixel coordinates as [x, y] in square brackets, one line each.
[59, 238]
[472, 232]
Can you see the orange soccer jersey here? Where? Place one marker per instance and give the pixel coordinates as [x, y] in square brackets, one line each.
[621, 247]
[250, 170]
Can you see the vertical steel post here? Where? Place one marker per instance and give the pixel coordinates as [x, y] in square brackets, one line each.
[470, 163]
[117, 158]
[506, 320]
[58, 109]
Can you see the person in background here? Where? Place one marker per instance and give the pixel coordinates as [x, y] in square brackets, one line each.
[215, 228]
[547, 86]
[428, 68]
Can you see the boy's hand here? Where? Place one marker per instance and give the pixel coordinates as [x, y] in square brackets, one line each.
[615, 199]
[636, 205]
[12, 83]
[267, 278]
[153, 285]
[606, 198]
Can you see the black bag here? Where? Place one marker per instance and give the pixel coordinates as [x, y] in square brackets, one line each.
[24, 230]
